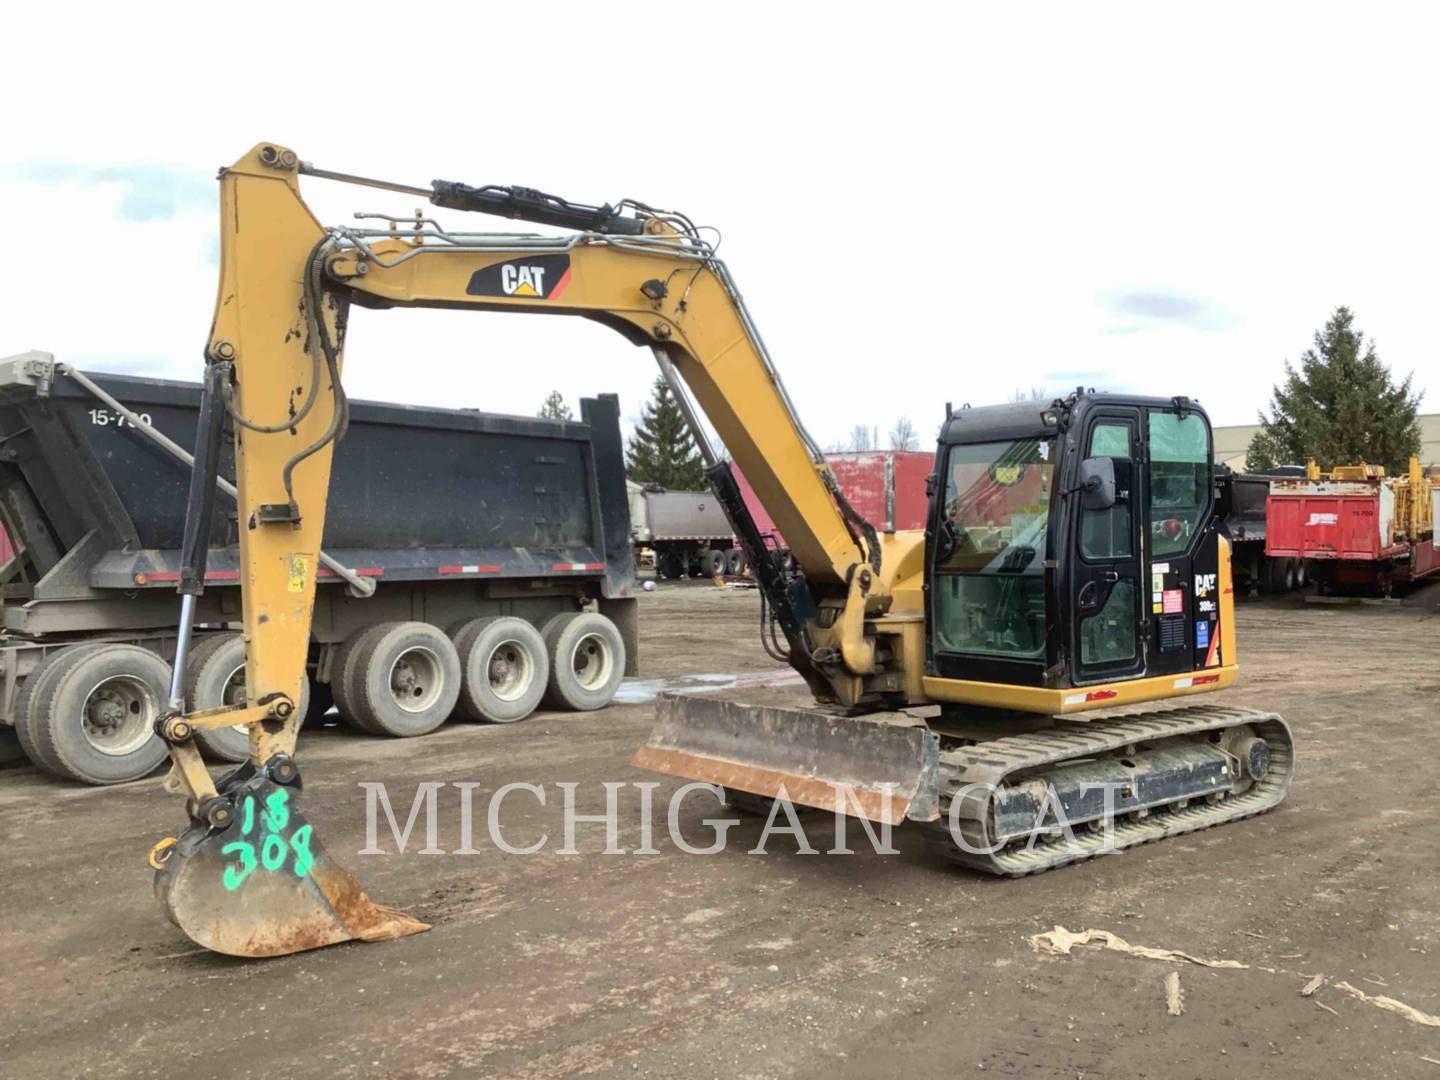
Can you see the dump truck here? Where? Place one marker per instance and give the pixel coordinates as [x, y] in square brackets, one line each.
[1358, 528]
[683, 533]
[464, 553]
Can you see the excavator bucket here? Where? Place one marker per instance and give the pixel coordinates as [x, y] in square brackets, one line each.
[880, 766]
[263, 884]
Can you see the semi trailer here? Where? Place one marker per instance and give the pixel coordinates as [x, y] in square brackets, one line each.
[473, 564]
[886, 487]
[686, 533]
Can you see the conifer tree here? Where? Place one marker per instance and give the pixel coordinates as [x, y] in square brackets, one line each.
[555, 408]
[662, 450]
[1340, 408]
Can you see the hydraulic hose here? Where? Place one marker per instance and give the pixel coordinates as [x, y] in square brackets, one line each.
[340, 417]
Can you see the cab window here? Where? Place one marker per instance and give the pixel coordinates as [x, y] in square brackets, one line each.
[1179, 479]
[1106, 534]
[989, 585]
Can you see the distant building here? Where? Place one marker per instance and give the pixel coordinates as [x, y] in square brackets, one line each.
[1233, 443]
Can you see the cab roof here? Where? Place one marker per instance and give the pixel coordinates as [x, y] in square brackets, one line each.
[1037, 419]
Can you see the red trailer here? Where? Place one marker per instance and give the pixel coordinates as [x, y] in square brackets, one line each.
[1348, 531]
[886, 487]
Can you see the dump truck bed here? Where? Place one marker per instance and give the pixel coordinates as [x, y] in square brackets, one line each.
[417, 493]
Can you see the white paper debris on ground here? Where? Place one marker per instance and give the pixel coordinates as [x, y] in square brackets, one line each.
[1389, 1004]
[1174, 996]
[1059, 942]
[1313, 985]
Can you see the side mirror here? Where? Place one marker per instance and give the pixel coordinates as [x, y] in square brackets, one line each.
[1097, 483]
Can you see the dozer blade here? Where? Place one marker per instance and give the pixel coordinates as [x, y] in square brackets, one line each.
[880, 766]
[263, 885]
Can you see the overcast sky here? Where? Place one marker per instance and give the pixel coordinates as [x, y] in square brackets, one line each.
[921, 203]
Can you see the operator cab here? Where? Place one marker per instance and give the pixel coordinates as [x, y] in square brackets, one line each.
[1073, 543]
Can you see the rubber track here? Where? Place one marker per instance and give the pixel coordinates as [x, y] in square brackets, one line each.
[993, 761]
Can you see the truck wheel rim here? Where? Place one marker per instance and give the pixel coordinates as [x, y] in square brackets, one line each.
[118, 716]
[233, 693]
[415, 679]
[592, 661]
[511, 670]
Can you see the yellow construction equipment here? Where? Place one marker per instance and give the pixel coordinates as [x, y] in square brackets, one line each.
[1072, 562]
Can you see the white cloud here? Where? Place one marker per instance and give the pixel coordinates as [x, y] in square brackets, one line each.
[148, 192]
[922, 203]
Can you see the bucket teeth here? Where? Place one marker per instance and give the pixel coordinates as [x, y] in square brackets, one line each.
[264, 885]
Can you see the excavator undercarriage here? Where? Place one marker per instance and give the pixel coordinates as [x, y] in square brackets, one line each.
[1009, 795]
[1018, 804]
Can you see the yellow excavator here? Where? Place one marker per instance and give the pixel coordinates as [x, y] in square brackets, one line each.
[1073, 561]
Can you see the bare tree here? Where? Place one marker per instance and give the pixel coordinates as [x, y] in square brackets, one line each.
[863, 438]
[1035, 393]
[902, 435]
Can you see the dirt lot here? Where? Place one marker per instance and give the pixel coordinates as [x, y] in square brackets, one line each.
[736, 965]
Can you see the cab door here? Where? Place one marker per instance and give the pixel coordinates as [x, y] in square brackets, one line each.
[1178, 509]
[1105, 580]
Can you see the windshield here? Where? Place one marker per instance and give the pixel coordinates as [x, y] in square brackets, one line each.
[989, 567]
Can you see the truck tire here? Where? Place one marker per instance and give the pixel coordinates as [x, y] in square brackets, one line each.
[587, 661]
[505, 669]
[215, 676]
[1302, 574]
[1275, 575]
[735, 562]
[670, 565]
[343, 677]
[92, 715]
[29, 689]
[405, 679]
[715, 563]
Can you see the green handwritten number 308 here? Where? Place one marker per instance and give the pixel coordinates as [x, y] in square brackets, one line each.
[274, 848]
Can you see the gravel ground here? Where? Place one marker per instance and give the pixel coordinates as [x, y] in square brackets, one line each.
[781, 965]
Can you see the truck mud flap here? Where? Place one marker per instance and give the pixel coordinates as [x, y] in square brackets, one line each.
[881, 766]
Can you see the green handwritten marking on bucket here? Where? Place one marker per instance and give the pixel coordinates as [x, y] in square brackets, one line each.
[275, 848]
[300, 842]
[235, 876]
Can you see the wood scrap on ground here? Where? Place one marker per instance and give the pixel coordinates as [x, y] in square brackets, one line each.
[1389, 1004]
[1174, 996]
[1061, 942]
